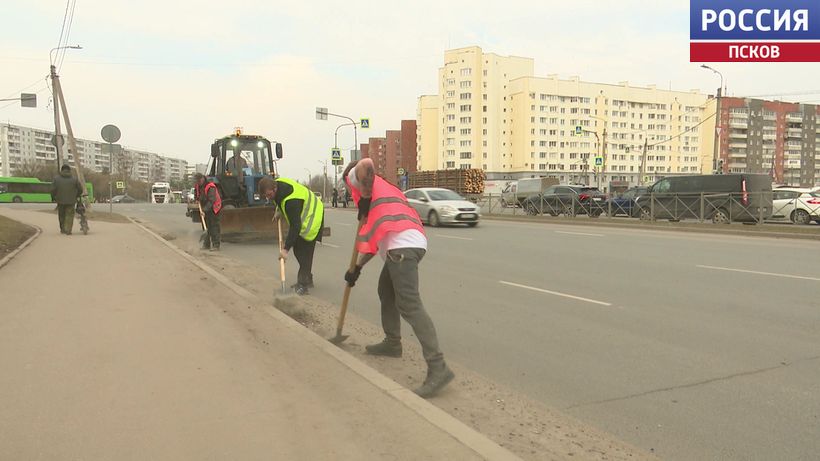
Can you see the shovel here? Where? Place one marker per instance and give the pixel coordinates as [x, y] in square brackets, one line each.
[339, 338]
[202, 238]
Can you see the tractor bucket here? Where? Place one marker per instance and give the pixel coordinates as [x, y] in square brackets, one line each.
[248, 224]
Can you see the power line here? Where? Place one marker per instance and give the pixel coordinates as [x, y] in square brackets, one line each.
[67, 34]
[682, 132]
[62, 29]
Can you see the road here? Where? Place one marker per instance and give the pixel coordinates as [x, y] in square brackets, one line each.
[694, 346]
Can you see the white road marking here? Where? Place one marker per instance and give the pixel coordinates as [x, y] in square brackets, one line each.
[772, 274]
[329, 245]
[579, 233]
[540, 290]
[452, 237]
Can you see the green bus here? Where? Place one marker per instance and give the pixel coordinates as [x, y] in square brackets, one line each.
[30, 190]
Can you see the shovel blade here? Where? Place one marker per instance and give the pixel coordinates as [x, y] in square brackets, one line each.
[339, 338]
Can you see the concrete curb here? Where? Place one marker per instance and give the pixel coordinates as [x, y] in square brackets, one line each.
[656, 227]
[7, 259]
[467, 436]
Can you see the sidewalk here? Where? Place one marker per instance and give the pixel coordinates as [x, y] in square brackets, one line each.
[112, 346]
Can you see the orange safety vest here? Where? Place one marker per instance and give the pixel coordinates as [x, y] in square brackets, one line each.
[389, 212]
[218, 201]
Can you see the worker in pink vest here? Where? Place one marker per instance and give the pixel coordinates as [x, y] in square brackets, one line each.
[392, 228]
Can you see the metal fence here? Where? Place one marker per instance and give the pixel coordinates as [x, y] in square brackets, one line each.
[718, 208]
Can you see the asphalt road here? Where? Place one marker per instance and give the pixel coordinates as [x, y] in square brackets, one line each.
[695, 346]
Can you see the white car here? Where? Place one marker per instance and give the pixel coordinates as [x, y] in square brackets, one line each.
[797, 205]
[442, 206]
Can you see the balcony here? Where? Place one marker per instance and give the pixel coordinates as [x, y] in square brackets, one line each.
[737, 144]
[794, 133]
[738, 134]
[742, 125]
[769, 136]
[795, 118]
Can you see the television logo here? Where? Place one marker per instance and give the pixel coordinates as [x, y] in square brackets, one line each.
[754, 31]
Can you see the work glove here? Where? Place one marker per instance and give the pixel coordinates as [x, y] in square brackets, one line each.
[364, 208]
[283, 254]
[352, 276]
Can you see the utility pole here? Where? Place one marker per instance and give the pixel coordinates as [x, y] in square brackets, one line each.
[642, 169]
[603, 155]
[57, 132]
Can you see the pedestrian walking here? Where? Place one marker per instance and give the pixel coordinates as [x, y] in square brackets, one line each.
[211, 202]
[334, 198]
[304, 213]
[392, 228]
[66, 190]
[347, 197]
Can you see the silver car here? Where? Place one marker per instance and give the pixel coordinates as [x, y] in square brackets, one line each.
[438, 206]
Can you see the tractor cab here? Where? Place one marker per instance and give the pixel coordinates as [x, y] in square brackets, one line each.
[238, 162]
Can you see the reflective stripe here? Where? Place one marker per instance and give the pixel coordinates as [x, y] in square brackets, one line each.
[388, 200]
[375, 227]
[309, 207]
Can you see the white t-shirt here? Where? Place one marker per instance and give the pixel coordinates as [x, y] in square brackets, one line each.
[410, 238]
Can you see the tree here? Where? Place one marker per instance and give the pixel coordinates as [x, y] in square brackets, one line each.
[35, 169]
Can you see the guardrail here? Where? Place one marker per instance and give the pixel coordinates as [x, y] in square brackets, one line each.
[751, 207]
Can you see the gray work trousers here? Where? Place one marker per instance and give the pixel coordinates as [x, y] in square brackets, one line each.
[399, 295]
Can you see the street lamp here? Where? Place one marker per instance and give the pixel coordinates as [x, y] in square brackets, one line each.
[324, 179]
[720, 90]
[717, 121]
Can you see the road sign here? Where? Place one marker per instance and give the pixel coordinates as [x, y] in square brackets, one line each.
[338, 161]
[579, 129]
[599, 160]
[365, 123]
[321, 113]
[110, 133]
[401, 172]
[111, 149]
[335, 153]
[28, 99]
[120, 185]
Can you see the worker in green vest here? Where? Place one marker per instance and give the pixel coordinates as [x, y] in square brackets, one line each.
[304, 214]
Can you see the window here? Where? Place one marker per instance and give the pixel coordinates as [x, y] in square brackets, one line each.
[451, 81]
[466, 119]
[466, 84]
[466, 72]
[465, 155]
[450, 93]
[466, 131]
[465, 96]
[451, 105]
[451, 164]
[466, 107]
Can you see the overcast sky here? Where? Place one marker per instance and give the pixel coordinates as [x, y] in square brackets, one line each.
[175, 74]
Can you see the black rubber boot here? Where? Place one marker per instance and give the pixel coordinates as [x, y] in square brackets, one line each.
[437, 378]
[386, 348]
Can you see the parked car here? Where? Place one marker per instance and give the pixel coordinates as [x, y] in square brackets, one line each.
[123, 199]
[565, 199]
[719, 198]
[797, 205]
[437, 206]
[626, 203]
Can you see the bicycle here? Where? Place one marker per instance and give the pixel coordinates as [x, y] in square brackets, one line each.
[80, 210]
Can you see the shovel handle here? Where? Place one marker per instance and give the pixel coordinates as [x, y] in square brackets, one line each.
[352, 266]
[281, 261]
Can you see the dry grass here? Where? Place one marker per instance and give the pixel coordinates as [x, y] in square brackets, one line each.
[12, 234]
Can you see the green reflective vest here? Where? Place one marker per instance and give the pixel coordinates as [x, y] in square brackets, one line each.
[312, 210]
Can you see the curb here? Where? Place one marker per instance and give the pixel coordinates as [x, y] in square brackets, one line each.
[7, 259]
[467, 436]
[655, 227]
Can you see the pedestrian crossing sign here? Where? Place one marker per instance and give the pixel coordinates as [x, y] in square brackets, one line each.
[120, 184]
[599, 161]
[365, 123]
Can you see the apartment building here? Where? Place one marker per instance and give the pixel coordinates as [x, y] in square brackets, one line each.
[771, 137]
[394, 153]
[20, 144]
[492, 113]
